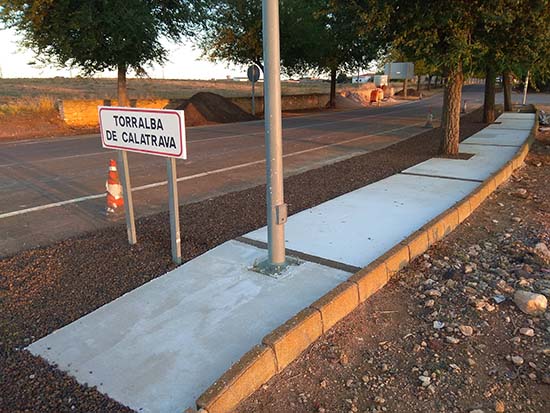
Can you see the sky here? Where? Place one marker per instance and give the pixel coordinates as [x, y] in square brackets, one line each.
[183, 63]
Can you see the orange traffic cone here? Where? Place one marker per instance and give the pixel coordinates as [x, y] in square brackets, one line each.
[114, 189]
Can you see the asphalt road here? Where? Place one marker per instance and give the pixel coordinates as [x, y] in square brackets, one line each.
[51, 189]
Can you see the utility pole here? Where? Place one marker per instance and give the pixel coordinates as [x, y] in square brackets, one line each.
[276, 207]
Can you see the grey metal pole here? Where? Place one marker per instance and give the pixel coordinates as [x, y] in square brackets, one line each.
[253, 105]
[525, 88]
[128, 201]
[276, 208]
[174, 210]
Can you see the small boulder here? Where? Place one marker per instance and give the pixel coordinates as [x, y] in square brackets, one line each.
[466, 330]
[530, 303]
[521, 193]
[529, 332]
[542, 251]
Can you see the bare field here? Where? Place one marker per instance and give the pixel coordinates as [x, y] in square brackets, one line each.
[95, 88]
[28, 106]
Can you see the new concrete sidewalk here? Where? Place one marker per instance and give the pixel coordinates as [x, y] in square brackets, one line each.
[157, 348]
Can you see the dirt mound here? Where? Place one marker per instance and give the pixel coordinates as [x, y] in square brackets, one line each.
[207, 108]
[346, 102]
[410, 92]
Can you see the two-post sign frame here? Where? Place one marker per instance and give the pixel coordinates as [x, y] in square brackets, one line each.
[157, 132]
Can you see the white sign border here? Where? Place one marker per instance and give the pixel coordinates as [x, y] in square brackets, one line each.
[181, 123]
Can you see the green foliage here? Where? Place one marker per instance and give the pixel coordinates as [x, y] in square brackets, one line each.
[438, 34]
[95, 35]
[232, 32]
[515, 35]
[340, 36]
[316, 35]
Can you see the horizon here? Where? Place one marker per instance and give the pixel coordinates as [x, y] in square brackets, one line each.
[177, 66]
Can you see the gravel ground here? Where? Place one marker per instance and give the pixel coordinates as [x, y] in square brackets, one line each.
[438, 337]
[44, 289]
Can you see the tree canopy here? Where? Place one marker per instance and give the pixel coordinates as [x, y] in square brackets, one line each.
[96, 35]
[317, 36]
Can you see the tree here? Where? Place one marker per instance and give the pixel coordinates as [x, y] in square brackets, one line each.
[440, 35]
[320, 36]
[232, 32]
[97, 35]
[337, 36]
[515, 35]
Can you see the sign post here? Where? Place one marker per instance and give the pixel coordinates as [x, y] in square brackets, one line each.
[147, 131]
[127, 194]
[253, 74]
[174, 210]
[525, 87]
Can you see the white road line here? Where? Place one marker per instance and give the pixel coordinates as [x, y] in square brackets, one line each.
[33, 141]
[242, 135]
[60, 158]
[195, 176]
[106, 151]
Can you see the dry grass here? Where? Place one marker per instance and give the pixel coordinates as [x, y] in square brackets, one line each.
[40, 95]
[92, 88]
[27, 104]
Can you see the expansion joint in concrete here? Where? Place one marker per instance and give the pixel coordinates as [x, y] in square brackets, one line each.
[443, 177]
[302, 256]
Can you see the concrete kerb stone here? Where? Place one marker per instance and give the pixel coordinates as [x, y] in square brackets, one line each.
[337, 304]
[288, 341]
[442, 225]
[396, 258]
[253, 369]
[293, 337]
[418, 243]
[370, 279]
[464, 209]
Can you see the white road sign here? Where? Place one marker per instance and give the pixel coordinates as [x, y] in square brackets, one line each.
[150, 131]
[399, 70]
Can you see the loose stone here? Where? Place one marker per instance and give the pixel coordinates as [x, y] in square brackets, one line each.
[517, 360]
[529, 332]
[530, 303]
[466, 330]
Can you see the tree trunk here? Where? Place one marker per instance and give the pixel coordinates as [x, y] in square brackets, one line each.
[122, 90]
[451, 111]
[507, 89]
[332, 102]
[429, 82]
[418, 84]
[489, 99]
[405, 87]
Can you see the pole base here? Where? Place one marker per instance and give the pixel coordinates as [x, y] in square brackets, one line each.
[277, 271]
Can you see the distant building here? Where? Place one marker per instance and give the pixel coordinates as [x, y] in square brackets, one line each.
[363, 78]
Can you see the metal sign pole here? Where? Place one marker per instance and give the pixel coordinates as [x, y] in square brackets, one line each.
[253, 106]
[174, 210]
[276, 208]
[525, 88]
[128, 202]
